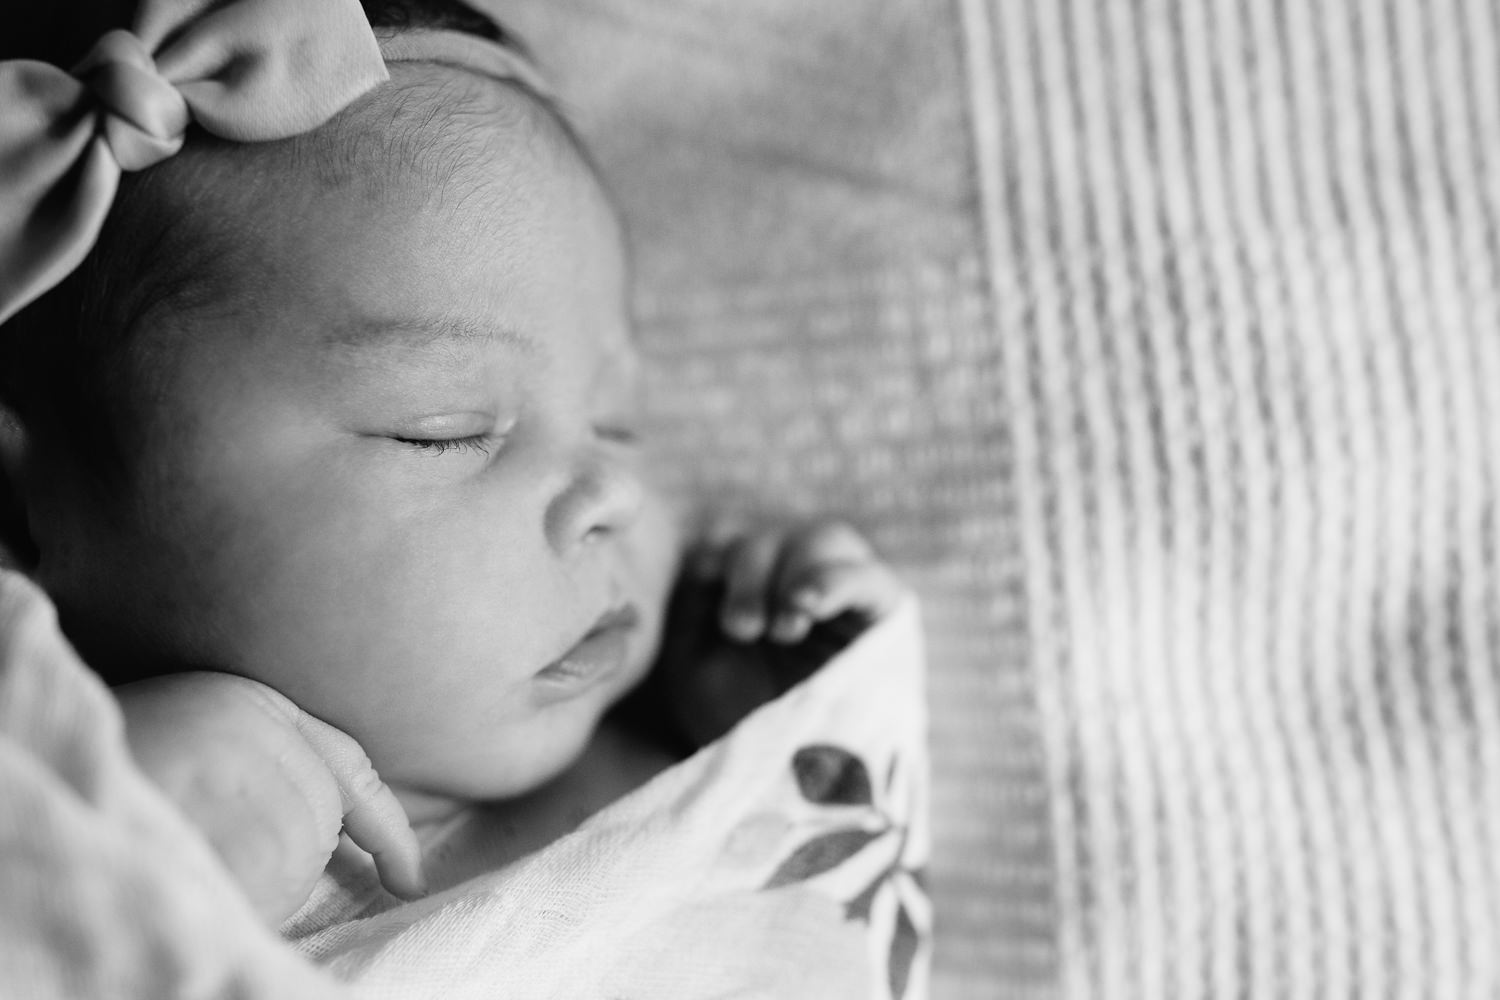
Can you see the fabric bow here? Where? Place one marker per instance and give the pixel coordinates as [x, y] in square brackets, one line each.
[246, 70]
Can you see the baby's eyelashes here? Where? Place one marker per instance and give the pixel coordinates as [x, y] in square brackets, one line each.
[480, 443]
[469, 433]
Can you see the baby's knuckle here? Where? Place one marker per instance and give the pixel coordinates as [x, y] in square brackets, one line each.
[365, 783]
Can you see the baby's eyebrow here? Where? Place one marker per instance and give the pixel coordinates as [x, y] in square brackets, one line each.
[459, 335]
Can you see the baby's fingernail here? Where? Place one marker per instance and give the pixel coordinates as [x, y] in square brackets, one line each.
[746, 626]
[806, 598]
[790, 626]
[411, 886]
[409, 890]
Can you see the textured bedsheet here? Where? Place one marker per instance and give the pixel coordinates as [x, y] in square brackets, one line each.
[1157, 342]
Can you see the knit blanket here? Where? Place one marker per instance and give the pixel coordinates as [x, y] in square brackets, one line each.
[1156, 342]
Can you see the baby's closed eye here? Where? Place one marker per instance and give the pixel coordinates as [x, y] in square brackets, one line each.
[479, 443]
[475, 433]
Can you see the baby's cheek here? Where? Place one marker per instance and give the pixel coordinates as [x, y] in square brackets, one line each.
[655, 549]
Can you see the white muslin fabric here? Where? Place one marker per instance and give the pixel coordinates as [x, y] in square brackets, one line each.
[784, 861]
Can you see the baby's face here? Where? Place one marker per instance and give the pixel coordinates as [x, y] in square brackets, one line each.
[398, 480]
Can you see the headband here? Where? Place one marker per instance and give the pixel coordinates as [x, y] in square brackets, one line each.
[244, 70]
[461, 51]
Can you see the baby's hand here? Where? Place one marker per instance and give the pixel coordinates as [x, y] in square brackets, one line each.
[268, 785]
[779, 583]
[758, 611]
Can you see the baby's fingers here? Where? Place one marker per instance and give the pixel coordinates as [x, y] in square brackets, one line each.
[748, 570]
[827, 569]
[373, 818]
[869, 588]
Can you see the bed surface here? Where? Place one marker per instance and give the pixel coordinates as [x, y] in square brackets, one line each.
[1155, 343]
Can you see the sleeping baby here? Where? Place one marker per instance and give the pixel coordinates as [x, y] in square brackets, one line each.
[327, 445]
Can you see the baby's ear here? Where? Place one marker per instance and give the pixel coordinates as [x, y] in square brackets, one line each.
[16, 545]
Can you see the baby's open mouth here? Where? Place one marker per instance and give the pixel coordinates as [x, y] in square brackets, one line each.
[599, 654]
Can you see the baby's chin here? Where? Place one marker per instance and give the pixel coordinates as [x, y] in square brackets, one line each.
[507, 769]
[468, 783]
[445, 774]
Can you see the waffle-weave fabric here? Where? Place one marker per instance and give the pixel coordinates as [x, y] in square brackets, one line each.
[1157, 342]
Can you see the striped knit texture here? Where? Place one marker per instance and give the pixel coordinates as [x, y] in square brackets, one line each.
[1245, 265]
[1157, 342]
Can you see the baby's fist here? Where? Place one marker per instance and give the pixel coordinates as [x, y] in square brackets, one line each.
[759, 611]
[779, 583]
[267, 784]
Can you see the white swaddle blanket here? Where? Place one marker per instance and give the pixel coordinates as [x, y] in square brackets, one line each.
[783, 861]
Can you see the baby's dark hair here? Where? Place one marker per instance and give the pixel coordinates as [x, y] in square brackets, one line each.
[63, 358]
[453, 15]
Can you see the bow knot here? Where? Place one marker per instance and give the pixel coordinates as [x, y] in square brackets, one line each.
[146, 117]
[246, 70]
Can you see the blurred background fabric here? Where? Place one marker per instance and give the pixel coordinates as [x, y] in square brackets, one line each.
[1156, 341]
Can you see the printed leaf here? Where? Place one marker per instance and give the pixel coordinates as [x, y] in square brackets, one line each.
[859, 907]
[903, 951]
[830, 775]
[819, 855]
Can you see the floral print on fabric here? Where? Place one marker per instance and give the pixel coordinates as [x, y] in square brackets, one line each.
[863, 823]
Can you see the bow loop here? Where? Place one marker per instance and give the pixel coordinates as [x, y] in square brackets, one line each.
[246, 70]
[145, 116]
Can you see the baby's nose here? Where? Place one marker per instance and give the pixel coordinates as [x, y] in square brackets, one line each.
[602, 498]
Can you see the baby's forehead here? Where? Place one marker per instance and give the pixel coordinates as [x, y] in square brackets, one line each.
[442, 141]
[433, 129]
[431, 134]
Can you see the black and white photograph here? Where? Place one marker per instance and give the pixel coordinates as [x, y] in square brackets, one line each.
[756, 499]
